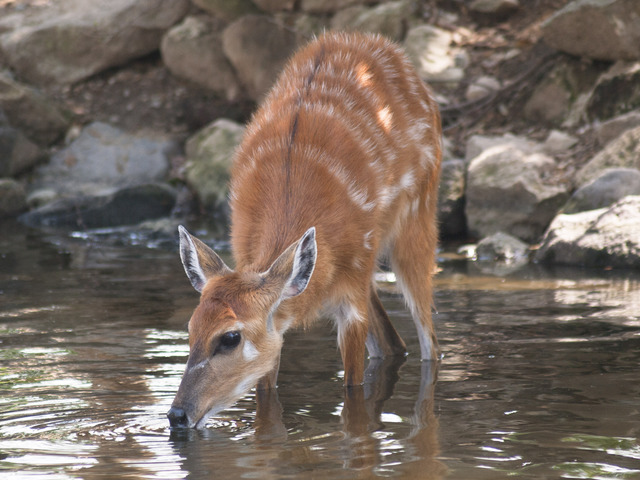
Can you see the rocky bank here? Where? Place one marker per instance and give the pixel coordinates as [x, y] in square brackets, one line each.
[117, 113]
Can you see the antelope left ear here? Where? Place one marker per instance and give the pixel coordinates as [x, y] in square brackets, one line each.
[199, 261]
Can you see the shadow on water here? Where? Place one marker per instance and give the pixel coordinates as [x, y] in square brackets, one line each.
[539, 378]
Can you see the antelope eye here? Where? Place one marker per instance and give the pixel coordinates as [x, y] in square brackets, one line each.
[229, 340]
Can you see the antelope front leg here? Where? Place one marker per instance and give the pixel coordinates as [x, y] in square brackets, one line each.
[353, 326]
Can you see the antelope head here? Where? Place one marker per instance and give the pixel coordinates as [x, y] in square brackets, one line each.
[233, 341]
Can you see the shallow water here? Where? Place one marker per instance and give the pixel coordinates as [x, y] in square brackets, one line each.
[539, 378]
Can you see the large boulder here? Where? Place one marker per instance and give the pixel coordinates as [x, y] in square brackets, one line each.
[26, 109]
[192, 50]
[69, 40]
[103, 156]
[506, 191]
[598, 29]
[120, 206]
[209, 155]
[257, 47]
[610, 186]
[606, 237]
[622, 152]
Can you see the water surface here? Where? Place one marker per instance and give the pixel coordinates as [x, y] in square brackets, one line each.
[539, 378]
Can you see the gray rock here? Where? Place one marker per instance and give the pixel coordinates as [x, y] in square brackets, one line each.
[327, 6]
[623, 152]
[614, 127]
[479, 143]
[258, 47]
[431, 51]
[13, 198]
[481, 87]
[502, 247]
[616, 92]
[451, 217]
[124, 206]
[495, 8]
[558, 142]
[506, 192]
[17, 153]
[209, 155]
[40, 118]
[193, 50]
[606, 237]
[388, 19]
[556, 97]
[610, 186]
[103, 156]
[228, 10]
[598, 29]
[273, 6]
[74, 39]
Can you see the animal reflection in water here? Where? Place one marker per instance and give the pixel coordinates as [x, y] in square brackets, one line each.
[360, 449]
[338, 168]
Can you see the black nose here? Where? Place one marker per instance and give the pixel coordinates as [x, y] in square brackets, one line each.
[177, 417]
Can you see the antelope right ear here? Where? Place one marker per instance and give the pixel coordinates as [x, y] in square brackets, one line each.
[199, 261]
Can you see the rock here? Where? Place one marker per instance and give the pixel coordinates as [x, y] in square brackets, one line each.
[388, 19]
[17, 153]
[273, 6]
[481, 87]
[192, 50]
[506, 192]
[74, 39]
[502, 247]
[13, 198]
[497, 9]
[103, 156]
[40, 118]
[431, 50]
[623, 152]
[258, 47]
[598, 29]
[616, 92]
[327, 6]
[209, 155]
[479, 143]
[558, 94]
[616, 126]
[610, 186]
[558, 142]
[606, 237]
[230, 9]
[123, 206]
[451, 199]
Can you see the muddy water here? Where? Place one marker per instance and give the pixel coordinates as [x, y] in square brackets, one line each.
[539, 380]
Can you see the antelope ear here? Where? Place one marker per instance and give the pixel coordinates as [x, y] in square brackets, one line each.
[199, 261]
[295, 265]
